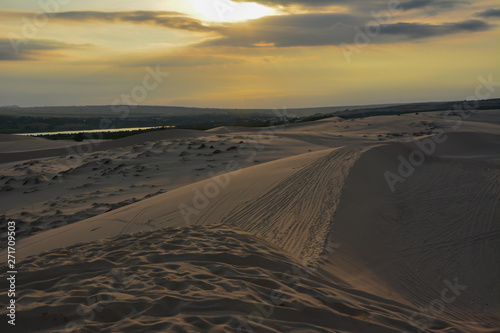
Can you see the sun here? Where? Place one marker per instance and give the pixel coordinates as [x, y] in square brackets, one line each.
[229, 11]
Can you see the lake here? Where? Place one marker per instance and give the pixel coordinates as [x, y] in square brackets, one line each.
[128, 129]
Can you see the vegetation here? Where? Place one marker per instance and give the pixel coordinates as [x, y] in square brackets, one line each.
[31, 120]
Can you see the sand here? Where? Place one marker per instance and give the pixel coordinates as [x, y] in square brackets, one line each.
[303, 228]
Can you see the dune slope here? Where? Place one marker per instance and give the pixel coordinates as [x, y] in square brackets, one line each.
[190, 279]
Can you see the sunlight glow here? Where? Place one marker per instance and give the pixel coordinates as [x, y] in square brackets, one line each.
[229, 11]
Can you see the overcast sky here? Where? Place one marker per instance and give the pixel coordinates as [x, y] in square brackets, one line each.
[261, 54]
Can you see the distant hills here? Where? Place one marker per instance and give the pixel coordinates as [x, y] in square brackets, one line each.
[176, 111]
[15, 119]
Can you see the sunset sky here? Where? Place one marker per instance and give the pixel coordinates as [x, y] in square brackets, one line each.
[262, 54]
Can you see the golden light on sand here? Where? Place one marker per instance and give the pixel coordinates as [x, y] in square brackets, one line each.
[229, 11]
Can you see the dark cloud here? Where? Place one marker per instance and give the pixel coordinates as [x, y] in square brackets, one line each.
[312, 29]
[489, 13]
[290, 30]
[165, 19]
[411, 31]
[28, 49]
[332, 29]
[364, 6]
[305, 3]
[435, 4]
[311, 21]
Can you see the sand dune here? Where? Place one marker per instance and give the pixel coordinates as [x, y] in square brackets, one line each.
[10, 145]
[422, 234]
[383, 224]
[16, 138]
[161, 211]
[27, 149]
[192, 279]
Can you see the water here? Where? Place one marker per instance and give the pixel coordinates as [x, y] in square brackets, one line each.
[128, 129]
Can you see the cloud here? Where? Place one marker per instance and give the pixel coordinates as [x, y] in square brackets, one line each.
[330, 29]
[18, 50]
[305, 3]
[489, 13]
[289, 31]
[294, 30]
[418, 31]
[435, 4]
[167, 19]
[363, 6]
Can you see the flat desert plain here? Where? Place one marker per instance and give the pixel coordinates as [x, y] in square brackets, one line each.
[378, 224]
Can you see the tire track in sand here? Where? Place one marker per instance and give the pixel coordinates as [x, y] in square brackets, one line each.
[297, 213]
